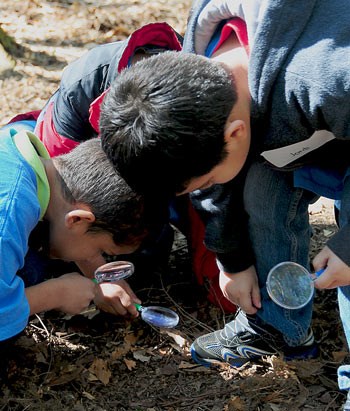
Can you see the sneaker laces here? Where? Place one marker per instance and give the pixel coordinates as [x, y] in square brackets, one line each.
[244, 323]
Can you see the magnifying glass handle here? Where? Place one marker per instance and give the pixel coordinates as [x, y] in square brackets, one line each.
[319, 272]
[139, 307]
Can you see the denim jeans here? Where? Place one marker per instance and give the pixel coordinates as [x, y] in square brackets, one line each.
[279, 231]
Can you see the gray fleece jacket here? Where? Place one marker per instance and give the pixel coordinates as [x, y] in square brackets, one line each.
[299, 80]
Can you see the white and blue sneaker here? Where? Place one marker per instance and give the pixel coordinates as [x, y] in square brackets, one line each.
[241, 340]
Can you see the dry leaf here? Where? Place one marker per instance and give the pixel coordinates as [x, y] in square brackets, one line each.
[120, 352]
[100, 368]
[186, 365]
[235, 404]
[92, 377]
[131, 364]
[139, 355]
[68, 374]
[339, 355]
[88, 395]
[131, 338]
[179, 339]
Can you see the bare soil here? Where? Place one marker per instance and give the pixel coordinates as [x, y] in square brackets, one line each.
[99, 362]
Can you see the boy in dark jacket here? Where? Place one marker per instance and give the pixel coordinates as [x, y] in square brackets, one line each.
[257, 133]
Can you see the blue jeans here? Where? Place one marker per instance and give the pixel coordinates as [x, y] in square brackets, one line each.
[279, 230]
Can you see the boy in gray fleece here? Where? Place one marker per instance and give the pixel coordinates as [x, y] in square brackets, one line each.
[256, 130]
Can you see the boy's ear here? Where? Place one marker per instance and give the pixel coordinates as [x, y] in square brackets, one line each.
[235, 129]
[79, 216]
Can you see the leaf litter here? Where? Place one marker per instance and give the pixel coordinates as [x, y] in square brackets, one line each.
[100, 362]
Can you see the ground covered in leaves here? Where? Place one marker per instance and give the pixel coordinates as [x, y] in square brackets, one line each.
[99, 362]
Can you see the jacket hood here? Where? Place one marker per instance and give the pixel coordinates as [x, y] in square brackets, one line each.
[206, 15]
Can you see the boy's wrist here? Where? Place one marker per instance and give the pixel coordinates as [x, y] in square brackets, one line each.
[45, 296]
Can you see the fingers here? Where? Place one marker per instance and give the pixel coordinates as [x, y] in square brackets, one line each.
[336, 273]
[256, 297]
[250, 309]
[117, 298]
[129, 296]
[115, 308]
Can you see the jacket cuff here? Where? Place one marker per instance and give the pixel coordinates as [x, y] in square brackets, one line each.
[234, 262]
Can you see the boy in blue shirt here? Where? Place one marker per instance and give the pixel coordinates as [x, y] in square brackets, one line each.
[87, 210]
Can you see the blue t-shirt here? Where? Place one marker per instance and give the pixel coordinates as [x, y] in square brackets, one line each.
[19, 214]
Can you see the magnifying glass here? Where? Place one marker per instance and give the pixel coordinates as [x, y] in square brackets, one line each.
[119, 270]
[114, 271]
[290, 285]
[158, 316]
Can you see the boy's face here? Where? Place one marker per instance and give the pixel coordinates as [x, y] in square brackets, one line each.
[237, 139]
[77, 244]
[222, 173]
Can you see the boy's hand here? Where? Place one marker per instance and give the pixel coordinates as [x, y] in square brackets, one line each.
[117, 298]
[242, 289]
[336, 274]
[75, 293]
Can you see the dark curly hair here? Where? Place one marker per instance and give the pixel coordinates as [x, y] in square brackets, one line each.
[86, 175]
[162, 122]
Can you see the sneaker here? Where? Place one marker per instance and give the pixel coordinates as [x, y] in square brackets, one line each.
[242, 340]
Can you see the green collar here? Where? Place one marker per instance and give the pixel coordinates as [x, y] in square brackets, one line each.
[31, 148]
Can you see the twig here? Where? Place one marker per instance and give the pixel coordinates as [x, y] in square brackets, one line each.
[184, 313]
[49, 336]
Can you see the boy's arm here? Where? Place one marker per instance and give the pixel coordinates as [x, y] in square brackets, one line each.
[70, 293]
[222, 211]
[64, 121]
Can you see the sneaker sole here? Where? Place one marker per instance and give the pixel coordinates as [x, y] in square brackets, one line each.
[227, 359]
[236, 362]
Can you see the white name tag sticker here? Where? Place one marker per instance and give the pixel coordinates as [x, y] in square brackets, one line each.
[282, 156]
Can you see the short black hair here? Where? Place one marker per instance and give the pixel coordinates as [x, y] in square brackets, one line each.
[86, 175]
[162, 121]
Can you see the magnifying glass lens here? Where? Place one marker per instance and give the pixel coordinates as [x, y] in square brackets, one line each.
[290, 285]
[160, 316]
[114, 271]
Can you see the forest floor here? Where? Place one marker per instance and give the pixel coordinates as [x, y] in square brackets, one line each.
[99, 362]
